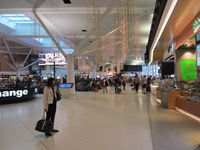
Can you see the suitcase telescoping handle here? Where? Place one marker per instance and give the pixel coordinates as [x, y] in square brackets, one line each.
[44, 115]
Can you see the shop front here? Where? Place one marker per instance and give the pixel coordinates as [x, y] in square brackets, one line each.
[183, 94]
[13, 95]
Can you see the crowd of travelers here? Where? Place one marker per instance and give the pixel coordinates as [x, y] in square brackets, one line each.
[119, 83]
[19, 83]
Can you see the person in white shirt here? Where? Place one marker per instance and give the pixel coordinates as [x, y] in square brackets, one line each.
[50, 102]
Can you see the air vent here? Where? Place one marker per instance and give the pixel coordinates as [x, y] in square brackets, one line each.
[67, 1]
[84, 30]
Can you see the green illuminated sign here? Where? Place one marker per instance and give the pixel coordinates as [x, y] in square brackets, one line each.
[188, 69]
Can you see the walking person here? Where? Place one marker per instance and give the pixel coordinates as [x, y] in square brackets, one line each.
[50, 102]
[110, 82]
[148, 85]
[103, 86]
[106, 85]
[124, 84]
[136, 83]
[143, 83]
[116, 86]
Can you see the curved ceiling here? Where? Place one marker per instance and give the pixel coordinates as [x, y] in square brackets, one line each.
[178, 28]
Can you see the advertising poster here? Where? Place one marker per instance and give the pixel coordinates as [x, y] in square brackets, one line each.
[188, 69]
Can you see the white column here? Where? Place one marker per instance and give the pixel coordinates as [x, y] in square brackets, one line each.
[18, 73]
[121, 65]
[118, 67]
[111, 69]
[94, 71]
[70, 71]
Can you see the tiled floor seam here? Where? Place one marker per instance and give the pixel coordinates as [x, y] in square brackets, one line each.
[32, 132]
[149, 120]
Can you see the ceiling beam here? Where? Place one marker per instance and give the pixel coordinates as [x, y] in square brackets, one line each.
[6, 62]
[29, 36]
[16, 53]
[69, 36]
[48, 32]
[18, 47]
[10, 38]
[36, 6]
[87, 62]
[9, 51]
[69, 10]
[29, 65]
[27, 56]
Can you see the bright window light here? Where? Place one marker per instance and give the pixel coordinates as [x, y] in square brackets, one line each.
[11, 20]
[39, 39]
[14, 21]
[68, 51]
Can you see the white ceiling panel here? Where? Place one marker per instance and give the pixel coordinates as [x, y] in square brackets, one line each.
[69, 20]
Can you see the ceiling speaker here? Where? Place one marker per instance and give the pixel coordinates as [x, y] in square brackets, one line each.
[67, 1]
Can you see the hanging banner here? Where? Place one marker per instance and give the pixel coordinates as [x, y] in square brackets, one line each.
[48, 59]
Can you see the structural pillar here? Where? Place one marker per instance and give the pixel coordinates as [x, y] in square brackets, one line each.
[70, 72]
[121, 66]
[94, 71]
[18, 73]
[112, 69]
[118, 67]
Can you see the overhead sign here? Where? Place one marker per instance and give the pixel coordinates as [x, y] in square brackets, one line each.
[49, 58]
[196, 25]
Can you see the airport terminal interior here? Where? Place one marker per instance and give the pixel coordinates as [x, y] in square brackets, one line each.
[100, 75]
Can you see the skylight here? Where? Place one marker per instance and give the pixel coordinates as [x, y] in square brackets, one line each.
[23, 25]
[68, 51]
[11, 20]
[41, 40]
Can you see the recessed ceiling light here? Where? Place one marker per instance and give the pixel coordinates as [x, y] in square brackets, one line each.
[67, 1]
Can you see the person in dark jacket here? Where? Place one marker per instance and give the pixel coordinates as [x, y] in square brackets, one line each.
[136, 83]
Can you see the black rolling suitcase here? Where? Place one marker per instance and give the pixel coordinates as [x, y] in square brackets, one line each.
[43, 126]
[119, 90]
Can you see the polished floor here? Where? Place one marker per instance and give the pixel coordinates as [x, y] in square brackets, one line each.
[97, 121]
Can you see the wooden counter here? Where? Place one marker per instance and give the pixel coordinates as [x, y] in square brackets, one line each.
[172, 96]
[188, 106]
[178, 99]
